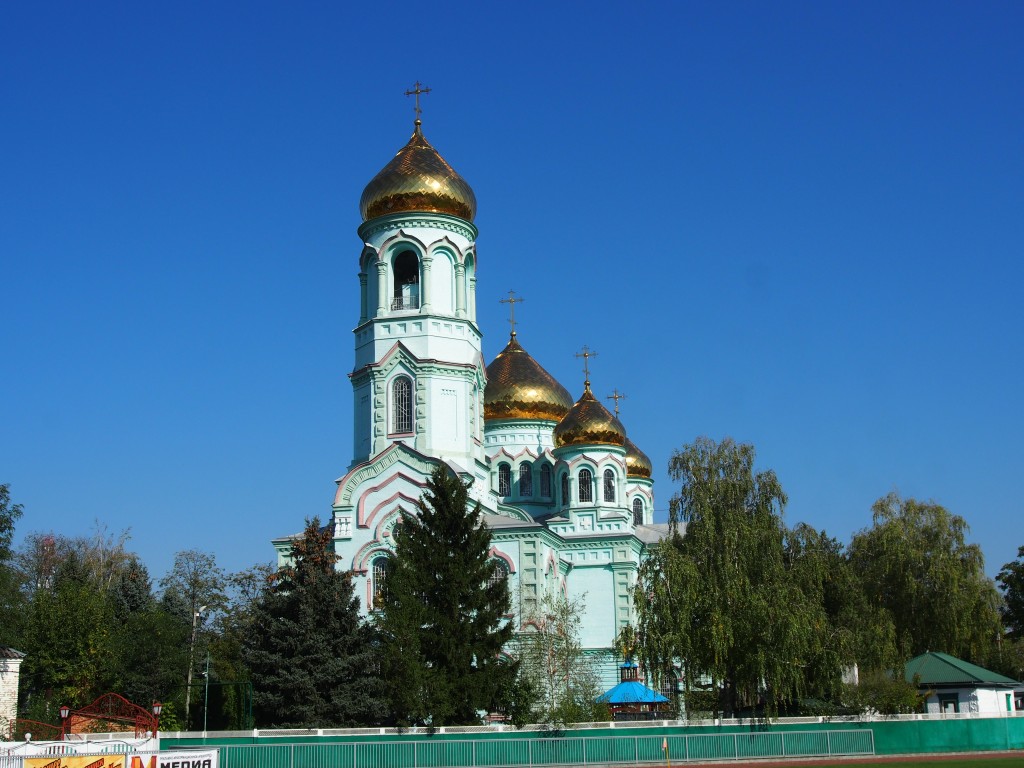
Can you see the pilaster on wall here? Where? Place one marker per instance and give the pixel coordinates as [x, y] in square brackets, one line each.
[530, 569]
[10, 671]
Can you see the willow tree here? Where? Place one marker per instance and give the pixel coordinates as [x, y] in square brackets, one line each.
[915, 563]
[716, 593]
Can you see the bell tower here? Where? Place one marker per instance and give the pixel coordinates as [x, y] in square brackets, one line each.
[419, 376]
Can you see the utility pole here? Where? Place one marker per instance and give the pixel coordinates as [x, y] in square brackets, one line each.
[206, 693]
[191, 654]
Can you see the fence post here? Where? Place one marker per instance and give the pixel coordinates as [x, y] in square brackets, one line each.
[636, 749]
[735, 747]
[474, 754]
[828, 741]
[415, 753]
[291, 757]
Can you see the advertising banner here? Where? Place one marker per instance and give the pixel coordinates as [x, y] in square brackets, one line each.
[76, 761]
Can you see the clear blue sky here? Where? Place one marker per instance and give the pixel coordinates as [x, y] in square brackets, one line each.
[796, 224]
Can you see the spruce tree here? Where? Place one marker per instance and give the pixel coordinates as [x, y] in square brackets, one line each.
[312, 660]
[444, 620]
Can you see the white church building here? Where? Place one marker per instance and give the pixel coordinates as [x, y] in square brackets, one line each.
[567, 496]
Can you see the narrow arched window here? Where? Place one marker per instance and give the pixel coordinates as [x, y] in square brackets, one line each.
[499, 574]
[586, 485]
[379, 585]
[545, 482]
[401, 405]
[525, 480]
[565, 490]
[504, 480]
[407, 281]
[638, 512]
[609, 485]
[669, 685]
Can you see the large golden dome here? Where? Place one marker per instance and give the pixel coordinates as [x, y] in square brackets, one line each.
[637, 462]
[418, 179]
[589, 423]
[518, 388]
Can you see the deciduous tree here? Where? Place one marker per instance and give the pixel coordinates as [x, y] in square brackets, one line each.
[719, 597]
[915, 563]
[1011, 583]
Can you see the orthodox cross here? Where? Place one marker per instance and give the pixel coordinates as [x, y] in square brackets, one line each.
[586, 354]
[616, 396]
[512, 300]
[416, 91]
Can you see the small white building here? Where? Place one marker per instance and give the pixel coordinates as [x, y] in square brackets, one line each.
[957, 686]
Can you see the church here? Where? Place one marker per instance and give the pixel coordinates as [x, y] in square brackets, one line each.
[567, 496]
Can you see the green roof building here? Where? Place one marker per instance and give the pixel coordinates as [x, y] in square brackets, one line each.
[956, 686]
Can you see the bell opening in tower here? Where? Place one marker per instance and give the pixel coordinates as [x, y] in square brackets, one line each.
[407, 281]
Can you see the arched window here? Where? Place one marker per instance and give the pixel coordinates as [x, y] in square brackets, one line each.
[586, 486]
[565, 490]
[407, 281]
[638, 512]
[669, 685]
[525, 480]
[500, 572]
[401, 406]
[609, 485]
[545, 482]
[504, 480]
[381, 567]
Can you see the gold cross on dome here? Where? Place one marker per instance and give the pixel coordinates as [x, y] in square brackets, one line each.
[616, 396]
[586, 354]
[416, 91]
[512, 300]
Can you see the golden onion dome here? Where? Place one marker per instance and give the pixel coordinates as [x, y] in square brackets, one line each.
[589, 423]
[518, 388]
[417, 179]
[637, 462]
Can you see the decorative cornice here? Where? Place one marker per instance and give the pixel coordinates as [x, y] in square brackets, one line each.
[420, 221]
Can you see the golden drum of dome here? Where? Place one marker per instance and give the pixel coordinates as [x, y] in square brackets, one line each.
[519, 388]
[637, 462]
[418, 179]
[589, 423]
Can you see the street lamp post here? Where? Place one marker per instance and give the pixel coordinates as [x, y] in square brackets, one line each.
[157, 709]
[191, 654]
[64, 712]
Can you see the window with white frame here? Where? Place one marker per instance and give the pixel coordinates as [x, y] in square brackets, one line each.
[504, 480]
[545, 482]
[500, 572]
[638, 512]
[379, 584]
[525, 480]
[565, 490]
[401, 405]
[586, 486]
[609, 485]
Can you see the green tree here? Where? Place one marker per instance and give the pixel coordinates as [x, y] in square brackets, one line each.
[1011, 583]
[720, 597]
[12, 602]
[194, 590]
[561, 679]
[312, 660]
[915, 564]
[445, 623]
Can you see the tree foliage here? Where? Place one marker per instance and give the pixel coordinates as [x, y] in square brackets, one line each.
[561, 679]
[444, 622]
[312, 659]
[1011, 583]
[915, 564]
[720, 597]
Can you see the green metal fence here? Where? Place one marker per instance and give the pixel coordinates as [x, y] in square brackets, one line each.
[527, 753]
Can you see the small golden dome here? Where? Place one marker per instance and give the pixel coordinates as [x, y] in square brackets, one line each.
[418, 179]
[637, 462]
[518, 388]
[589, 423]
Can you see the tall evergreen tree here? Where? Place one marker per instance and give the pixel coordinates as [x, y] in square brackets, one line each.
[312, 660]
[444, 621]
